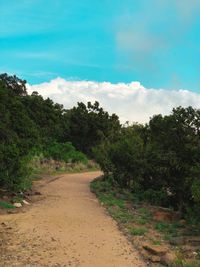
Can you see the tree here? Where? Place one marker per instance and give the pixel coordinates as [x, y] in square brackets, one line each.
[176, 138]
[90, 125]
[14, 84]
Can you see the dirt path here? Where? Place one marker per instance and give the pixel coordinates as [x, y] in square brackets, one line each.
[67, 228]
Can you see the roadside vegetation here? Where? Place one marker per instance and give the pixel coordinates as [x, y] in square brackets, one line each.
[38, 135]
[156, 167]
[159, 234]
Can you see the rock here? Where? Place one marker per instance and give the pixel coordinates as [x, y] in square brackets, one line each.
[177, 241]
[150, 257]
[25, 202]
[155, 250]
[194, 253]
[17, 205]
[155, 258]
[164, 216]
[168, 259]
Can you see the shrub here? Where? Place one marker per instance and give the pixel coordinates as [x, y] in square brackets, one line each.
[64, 152]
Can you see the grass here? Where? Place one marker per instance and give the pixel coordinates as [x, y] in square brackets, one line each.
[6, 205]
[136, 219]
[168, 229]
[100, 186]
[122, 216]
[18, 199]
[38, 170]
[140, 231]
[110, 200]
[182, 263]
[155, 241]
[144, 216]
[198, 254]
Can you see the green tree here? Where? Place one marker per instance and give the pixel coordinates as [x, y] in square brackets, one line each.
[90, 125]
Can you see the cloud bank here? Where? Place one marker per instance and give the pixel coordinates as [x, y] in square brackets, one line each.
[131, 102]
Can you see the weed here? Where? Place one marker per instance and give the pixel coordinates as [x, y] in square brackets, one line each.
[198, 254]
[137, 231]
[98, 186]
[6, 205]
[141, 221]
[17, 199]
[109, 200]
[182, 263]
[120, 215]
[155, 241]
[168, 228]
[145, 215]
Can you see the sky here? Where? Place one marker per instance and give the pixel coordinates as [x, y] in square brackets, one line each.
[135, 56]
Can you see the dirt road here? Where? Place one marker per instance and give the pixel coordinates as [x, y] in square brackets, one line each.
[66, 228]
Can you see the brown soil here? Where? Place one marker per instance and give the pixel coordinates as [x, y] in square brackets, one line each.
[65, 227]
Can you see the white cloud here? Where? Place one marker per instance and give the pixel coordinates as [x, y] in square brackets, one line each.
[132, 102]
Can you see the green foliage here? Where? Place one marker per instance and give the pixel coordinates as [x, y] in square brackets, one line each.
[169, 229]
[101, 186]
[29, 125]
[6, 205]
[181, 262]
[159, 162]
[138, 231]
[64, 152]
[110, 200]
[126, 157]
[18, 199]
[120, 215]
[90, 125]
[145, 214]
[155, 197]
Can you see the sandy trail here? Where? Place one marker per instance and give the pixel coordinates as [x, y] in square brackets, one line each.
[67, 228]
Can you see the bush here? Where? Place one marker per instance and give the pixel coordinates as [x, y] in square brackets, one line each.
[64, 152]
[155, 197]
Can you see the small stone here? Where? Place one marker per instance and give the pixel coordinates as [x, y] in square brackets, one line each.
[25, 202]
[155, 250]
[155, 258]
[17, 205]
[168, 259]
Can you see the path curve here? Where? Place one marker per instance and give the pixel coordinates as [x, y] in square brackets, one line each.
[68, 228]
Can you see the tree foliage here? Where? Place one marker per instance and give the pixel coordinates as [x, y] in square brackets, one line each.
[90, 125]
[162, 157]
[30, 123]
[159, 160]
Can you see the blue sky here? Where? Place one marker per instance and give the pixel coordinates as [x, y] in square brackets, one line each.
[156, 42]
